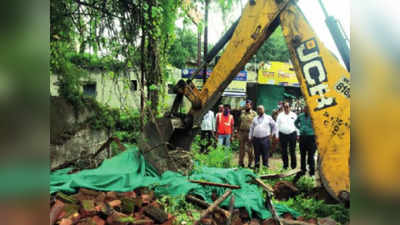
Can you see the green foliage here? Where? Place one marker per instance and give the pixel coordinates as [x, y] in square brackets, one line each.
[110, 30]
[305, 184]
[104, 117]
[181, 208]
[92, 62]
[307, 206]
[312, 208]
[219, 156]
[183, 48]
[274, 49]
[235, 145]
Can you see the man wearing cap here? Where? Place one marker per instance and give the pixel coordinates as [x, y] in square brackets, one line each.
[261, 130]
[246, 118]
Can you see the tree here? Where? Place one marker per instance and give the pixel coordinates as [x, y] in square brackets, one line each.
[138, 34]
[183, 49]
[273, 49]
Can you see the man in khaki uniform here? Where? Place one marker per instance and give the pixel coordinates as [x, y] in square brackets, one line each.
[246, 118]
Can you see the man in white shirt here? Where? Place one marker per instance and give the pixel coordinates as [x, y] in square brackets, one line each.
[287, 134]
[261, 130]
[207, 130]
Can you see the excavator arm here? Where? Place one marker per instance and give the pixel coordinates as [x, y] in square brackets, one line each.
[325, 84]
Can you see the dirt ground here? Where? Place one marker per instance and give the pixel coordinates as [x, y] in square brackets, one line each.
[276, 164]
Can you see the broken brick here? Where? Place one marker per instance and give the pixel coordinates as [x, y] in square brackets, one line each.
[118, 218]
[326, 221]
[300, 218]
[269, 221]
[112, 195]
[115, 203]
[100, 197]
[98, 220]
[156, 214]
[146, 198]
[88, 208]
[128, 205]
[130, 194]
[56, 210]
[206, 221]
[236, 220]
[66, 222]
[287, 216]
[254, 221]
[219, 218]
[312, 221]
[88, 192]
[70, 209]
[170, 220]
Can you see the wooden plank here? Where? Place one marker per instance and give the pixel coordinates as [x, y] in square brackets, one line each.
[213, 206]
[264, 185]
[279, 175]
[215, 184]
[202, 203]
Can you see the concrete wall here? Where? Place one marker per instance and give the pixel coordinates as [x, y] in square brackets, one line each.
[71, 138]
[115, 90]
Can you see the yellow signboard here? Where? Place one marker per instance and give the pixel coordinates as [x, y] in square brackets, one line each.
[277, 73]
[234, 86]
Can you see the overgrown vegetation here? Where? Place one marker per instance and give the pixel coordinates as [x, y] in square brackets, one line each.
[185, 212]
[217, 156]
[312, 208]
[305, 203]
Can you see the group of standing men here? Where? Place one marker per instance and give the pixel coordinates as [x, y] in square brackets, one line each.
[257, 130]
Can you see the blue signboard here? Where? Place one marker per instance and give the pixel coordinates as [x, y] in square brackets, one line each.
[187, 73]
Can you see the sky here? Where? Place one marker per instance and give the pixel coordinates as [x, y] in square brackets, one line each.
[340, 9]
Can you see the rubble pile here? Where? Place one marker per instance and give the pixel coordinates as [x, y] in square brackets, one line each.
[89, 207]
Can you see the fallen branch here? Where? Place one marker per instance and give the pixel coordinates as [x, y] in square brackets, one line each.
[231, 203]
[279, 175]
[106, 145]
[202, 203]
[272, 210]
[264, 185]
[215, 184]
[143, 221]
[213, 206]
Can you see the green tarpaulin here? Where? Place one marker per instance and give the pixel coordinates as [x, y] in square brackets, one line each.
[128, 171]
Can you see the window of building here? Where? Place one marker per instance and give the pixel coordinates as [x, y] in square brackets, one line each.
[134, 85]
[89, 89]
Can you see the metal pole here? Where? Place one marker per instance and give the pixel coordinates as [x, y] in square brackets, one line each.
[338, 36]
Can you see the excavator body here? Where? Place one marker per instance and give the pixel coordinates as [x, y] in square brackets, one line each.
[324, 83]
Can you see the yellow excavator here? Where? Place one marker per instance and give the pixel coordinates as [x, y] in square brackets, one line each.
[325, 84]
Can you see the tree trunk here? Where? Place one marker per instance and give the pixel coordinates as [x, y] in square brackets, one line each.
[142, 68]
[153, 70]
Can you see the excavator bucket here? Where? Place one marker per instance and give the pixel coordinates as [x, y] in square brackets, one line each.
[153, 143]
[165, 144]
